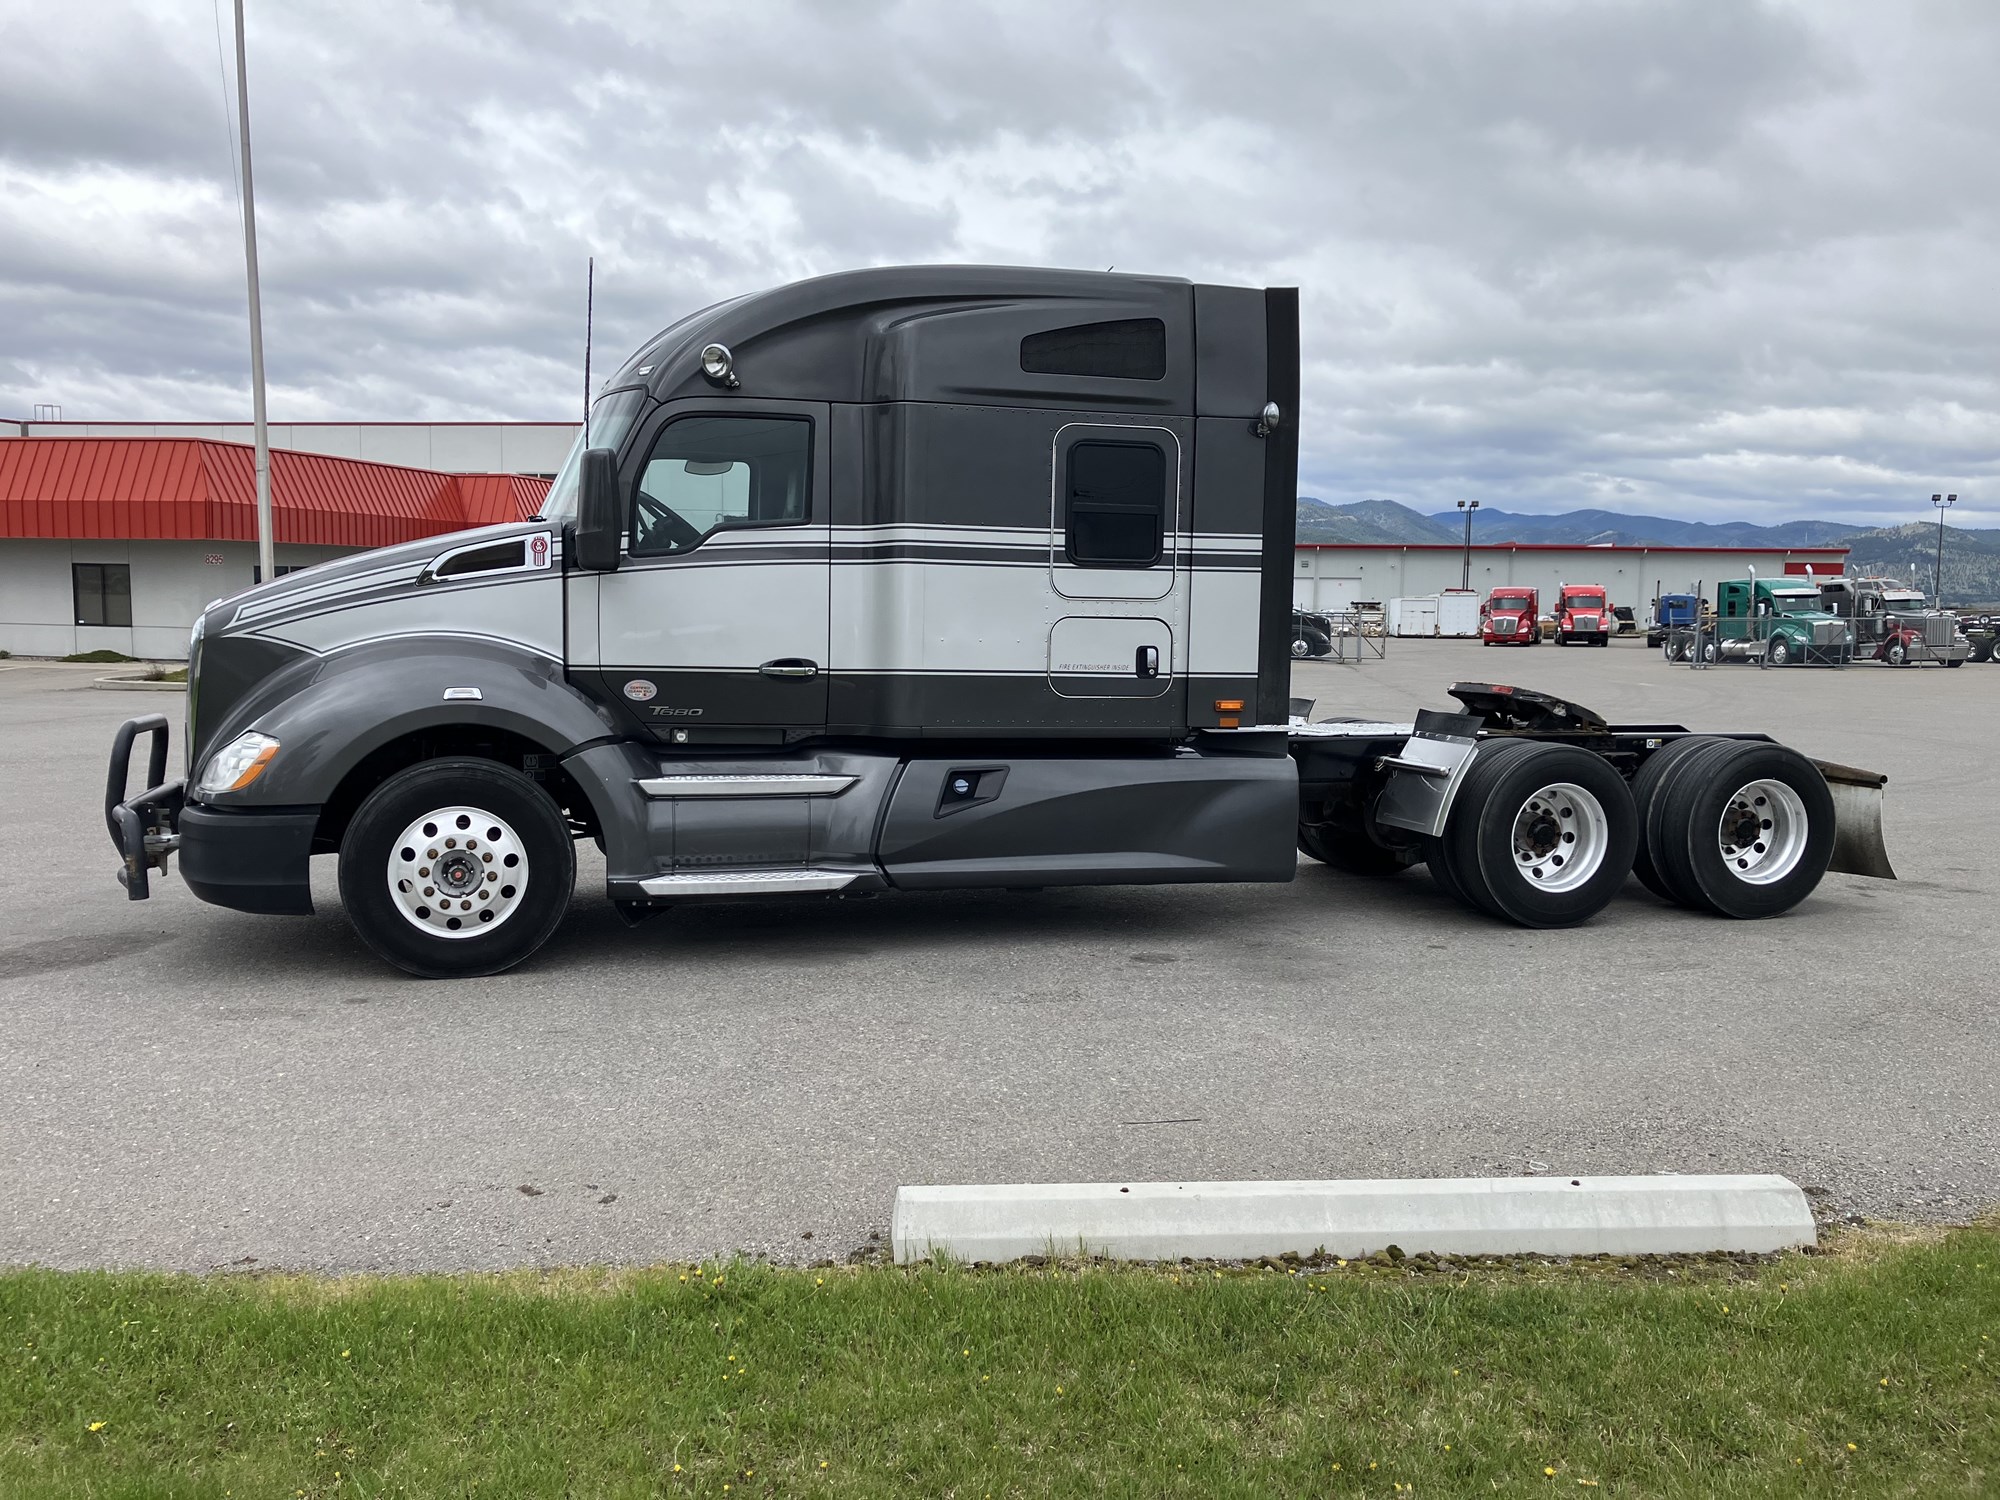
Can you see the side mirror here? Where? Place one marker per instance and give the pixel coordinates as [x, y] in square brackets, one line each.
[600, 523]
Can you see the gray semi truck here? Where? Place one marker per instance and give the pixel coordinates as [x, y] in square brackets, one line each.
[905, 579]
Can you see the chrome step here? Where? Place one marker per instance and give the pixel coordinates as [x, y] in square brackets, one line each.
[747, 882]
[760, 785]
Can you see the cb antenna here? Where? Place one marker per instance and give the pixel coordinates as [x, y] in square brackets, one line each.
[589, 309]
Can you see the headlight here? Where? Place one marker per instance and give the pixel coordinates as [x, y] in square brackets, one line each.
[239, 763]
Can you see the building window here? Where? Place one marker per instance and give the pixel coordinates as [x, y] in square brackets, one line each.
[1116, 505]
[1128, 349]
[103, 593]
[257, 571]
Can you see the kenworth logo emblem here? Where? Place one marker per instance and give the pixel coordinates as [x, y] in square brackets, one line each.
[639, 690]
[538, 550]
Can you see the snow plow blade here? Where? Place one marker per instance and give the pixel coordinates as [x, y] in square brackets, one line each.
[1857, 821]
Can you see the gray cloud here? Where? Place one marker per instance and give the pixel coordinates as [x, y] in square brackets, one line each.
[1724, 258]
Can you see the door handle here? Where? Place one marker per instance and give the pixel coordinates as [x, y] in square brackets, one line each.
[790, 666]
[1146, 662]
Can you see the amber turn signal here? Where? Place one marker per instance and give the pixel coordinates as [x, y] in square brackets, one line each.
[1229, 705]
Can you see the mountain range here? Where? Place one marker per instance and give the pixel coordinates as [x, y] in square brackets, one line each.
[1971, 555]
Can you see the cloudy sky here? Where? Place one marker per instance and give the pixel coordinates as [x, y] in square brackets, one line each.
[1709, 257]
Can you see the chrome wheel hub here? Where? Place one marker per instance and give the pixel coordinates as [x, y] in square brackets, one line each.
[1762, 834]
[1560, 837]
[457, 872]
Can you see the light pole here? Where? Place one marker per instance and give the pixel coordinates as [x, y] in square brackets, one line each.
[1943, 504]
[1465, 569]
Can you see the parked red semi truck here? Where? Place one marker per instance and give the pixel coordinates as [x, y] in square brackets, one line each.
[1511, 616]
[1582, 615]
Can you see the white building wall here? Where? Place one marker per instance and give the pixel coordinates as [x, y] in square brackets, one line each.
[171, 584]
[449, 447]
[1336, 577]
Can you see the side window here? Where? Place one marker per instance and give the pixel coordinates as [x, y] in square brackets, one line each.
[1115, 505]
[710, 474]
[103, 593]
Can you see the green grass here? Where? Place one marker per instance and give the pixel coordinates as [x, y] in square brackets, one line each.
[100, 656]
[1715, 1380]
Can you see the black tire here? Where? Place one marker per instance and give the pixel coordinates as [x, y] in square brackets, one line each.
[1778, 651]
[1353, 853]
[373, 848]
[1652, 778]
[1687, 830]
[1711, 651]
[1438, 862]
[1602, 640]
[1503, 786]
[1956, 661]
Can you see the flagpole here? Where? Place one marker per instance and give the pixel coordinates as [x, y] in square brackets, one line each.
[266, 550]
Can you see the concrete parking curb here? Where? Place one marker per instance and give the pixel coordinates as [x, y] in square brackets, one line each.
[1661, 1215]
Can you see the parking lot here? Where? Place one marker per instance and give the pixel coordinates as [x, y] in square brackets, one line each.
[182, 1086]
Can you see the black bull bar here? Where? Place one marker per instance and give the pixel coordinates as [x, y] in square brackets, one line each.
[146, 828]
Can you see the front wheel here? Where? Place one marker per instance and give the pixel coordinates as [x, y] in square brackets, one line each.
[1779, 652]
[1896, 654]
[1299, 647]
[457, 868]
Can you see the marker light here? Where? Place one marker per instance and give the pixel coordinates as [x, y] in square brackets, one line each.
[239, 763]
[1229, 705]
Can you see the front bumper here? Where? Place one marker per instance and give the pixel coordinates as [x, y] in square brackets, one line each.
[252, 861]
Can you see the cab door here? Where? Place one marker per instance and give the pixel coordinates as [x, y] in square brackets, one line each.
[714, 628]
[1118, 563]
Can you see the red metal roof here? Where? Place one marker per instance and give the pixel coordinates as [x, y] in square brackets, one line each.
[198, 489]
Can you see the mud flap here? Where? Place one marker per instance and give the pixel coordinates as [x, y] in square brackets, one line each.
[1857, 821]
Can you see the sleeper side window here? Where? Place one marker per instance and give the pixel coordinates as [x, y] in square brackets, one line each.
[708, 474]
[1115, 504]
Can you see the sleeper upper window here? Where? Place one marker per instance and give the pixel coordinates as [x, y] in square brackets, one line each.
[710, 474]
[1115, 504]
[1127, 349]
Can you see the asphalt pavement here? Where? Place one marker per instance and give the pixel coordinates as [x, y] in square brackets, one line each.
[187, 1087]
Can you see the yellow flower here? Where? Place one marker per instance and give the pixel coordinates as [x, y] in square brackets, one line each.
[966, 1352]
[677, 1468]
[97, 1427]
[1550, 1472]
[1852, 1449]
[1725, 1307]
[822, 1463]
[1058, 1390]
[684, 1276]
[347, 1354]
[817, 1280]
[1885, 1380]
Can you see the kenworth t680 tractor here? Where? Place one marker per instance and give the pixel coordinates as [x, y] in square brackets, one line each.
[905, 579]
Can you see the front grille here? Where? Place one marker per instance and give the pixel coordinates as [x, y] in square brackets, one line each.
[1504, 627]
[1938, 630]
[1828, 632]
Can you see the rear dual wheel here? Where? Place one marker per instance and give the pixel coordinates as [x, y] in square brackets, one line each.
[1539, 835]
[1740, 828]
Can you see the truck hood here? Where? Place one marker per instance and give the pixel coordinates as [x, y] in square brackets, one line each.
[327, 583]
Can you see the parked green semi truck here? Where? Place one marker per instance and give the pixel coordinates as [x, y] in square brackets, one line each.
[1778, 622]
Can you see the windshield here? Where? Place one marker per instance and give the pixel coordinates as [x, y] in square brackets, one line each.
[610, 420]
[1795, 604]
[1586, 601]
[1510, 601]
[1903, 604]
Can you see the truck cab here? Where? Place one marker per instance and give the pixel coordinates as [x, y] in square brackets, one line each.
[1511, 616]
[1672, 612]
[902, 579]
[1582, 615]
[1779, 622]
[1891, 621]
